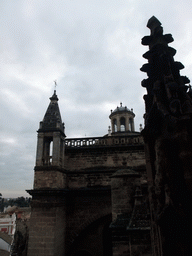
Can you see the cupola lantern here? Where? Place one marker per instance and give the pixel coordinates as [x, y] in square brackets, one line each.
[122, 120]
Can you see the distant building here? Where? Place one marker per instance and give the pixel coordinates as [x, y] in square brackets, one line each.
[90, 194]
[7, 230]
[7, 223]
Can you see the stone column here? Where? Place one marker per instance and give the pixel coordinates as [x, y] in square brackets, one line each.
[118, 124]
[127, 123]
[56, 149]
[39, 154]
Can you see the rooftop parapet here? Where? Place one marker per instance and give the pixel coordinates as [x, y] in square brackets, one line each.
[104, 141]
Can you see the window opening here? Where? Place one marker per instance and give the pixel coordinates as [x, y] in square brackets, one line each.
[115, 125]
[48, 151]
[51, 153]
[122, 124]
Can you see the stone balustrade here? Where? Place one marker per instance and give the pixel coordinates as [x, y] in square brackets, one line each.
[104, 141]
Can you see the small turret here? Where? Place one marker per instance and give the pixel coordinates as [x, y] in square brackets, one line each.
[50, 147]
[122, 120]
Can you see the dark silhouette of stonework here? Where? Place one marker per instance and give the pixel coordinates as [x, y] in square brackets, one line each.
[168, 145]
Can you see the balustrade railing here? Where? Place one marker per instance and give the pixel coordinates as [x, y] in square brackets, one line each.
[104, 141]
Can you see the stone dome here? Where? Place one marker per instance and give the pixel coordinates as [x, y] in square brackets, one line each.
[122, 120]
[121, 109]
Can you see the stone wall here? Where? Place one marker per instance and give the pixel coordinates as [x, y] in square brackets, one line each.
[88, 167]
[89, 178]
[49, 177]
[123, 187]
[46, 236]
[116, 157]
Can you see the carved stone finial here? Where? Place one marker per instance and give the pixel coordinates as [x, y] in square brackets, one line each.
[154, 25]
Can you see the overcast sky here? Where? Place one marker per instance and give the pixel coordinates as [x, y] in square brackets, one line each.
[93, 49]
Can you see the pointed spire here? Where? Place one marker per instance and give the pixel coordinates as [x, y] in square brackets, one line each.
[166, 88]
[52, 120]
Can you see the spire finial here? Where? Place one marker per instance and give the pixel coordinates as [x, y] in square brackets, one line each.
[55, 82]
[120, 104]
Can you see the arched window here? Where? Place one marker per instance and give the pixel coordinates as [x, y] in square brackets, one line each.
[48, 151]
[122, 124]
[115, 125]
[51, 152]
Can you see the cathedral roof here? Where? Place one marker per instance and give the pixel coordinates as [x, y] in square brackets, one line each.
[52, 119]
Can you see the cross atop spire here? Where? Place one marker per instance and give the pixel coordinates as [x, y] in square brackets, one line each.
[55, 82]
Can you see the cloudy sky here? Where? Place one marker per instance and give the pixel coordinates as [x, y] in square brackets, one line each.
[92, 48]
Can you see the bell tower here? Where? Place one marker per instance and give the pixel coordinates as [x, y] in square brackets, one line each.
[48, 206]
[50, 145]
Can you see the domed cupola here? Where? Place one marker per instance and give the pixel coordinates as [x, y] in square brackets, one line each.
[122, 120]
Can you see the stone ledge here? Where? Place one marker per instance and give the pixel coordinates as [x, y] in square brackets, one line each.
[67, 191]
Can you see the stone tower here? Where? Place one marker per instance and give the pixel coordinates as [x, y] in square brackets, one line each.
[122, 120]
[50, 148]
[46, 237]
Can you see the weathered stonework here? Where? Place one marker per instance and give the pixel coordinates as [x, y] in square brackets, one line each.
[78, 188]
[46, 236]
[123, 185]
[107, 157]
[167, 136]
[49, 178]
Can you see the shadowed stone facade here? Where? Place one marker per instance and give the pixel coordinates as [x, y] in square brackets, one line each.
[82, 186]
[167, 135]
